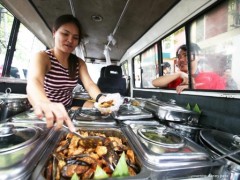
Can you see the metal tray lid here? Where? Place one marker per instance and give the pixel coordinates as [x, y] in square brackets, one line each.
[8, 96]
[187, 127]
[189, 156]
[14, 136]
[171, 112]
[24, 168]
[168, 106]
[27, 116]
[127, 111]
[109, 122]
[91, 116]
[161, 136]
[222, 142]
[133, 123]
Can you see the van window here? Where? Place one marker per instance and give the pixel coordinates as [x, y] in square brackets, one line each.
[149, 64]
[170, 45]
[6, 22]
[27, 45]
[125, 68]
[216, 33]
[137, 71]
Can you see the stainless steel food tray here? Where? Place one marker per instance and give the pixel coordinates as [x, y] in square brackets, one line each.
[91, 117]
[171, 112]
[28, 117]
[106, 122]
[131, 112]
[190, 156]
[142, 122]
[38, 173]
[23, 169]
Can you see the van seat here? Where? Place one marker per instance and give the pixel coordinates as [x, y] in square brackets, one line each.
[112, 80]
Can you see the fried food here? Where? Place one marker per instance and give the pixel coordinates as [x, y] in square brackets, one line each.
[106, 104]
[70, 157]
[135, 103]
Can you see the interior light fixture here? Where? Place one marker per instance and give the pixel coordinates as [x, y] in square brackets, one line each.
[97, 18]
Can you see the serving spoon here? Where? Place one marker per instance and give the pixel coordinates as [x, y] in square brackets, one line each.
[227, 154]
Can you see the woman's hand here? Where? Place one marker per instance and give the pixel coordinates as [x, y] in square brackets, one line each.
[184, 84]
[180, 88]
[55, 114]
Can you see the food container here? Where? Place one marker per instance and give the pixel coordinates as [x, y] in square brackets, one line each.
[189, 131]
[160, 140]
[27, 116]
[26, 147]
[189, 160]
[171, 112]
[16, 141]
[128, 111]
[220, 143]
[149, 122]
[113, 102]
[92, 117]
[114, 149]
[12, 104]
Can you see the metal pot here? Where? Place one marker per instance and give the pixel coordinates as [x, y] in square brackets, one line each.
[171, 112]
[160, 140]
[16, 141]
[221, 143]
[12, 104]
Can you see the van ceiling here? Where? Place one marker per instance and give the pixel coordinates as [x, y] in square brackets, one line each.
[139, 16]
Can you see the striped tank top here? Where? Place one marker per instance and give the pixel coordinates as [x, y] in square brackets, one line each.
[57, 83]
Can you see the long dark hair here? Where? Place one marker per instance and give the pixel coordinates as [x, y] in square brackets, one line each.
[73, 59]
[67, 18]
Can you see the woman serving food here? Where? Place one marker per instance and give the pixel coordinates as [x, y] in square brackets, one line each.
[54, 73]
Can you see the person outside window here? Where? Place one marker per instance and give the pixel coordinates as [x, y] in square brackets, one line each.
[166, 68]
[201, 78]
[231, 84]
[178, 80]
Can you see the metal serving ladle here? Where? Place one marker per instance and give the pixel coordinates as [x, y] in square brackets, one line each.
[235, 143]
[226, 155]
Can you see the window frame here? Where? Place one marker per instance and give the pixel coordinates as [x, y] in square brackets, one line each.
[186, 25]
[11, 49]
